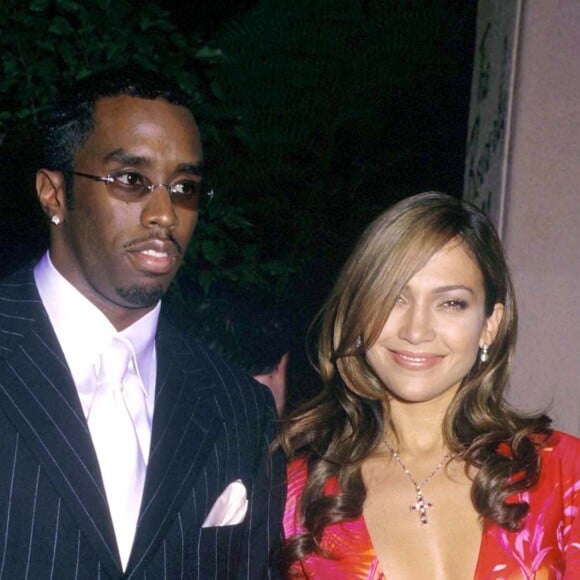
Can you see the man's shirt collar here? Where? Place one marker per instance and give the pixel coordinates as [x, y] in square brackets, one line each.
[83, 330]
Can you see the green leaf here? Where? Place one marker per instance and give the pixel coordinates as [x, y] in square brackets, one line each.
[69, 5]
[209, 54]
[60, 26]
[38, 5]
[212, 251]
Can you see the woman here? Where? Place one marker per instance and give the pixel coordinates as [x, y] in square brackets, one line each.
[410, 464]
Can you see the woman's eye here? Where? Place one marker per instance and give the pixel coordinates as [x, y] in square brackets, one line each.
[455, 304]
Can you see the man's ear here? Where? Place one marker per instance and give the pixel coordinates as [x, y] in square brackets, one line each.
[51, 191]
[491, 325]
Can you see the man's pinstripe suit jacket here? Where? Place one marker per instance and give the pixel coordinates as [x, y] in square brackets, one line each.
[211, 426]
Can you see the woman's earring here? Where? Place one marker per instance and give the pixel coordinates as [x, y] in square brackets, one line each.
[55, 220]
[484, 354]
[358, 342]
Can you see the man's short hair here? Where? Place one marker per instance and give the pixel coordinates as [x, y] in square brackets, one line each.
[255, 333]
[67, 123]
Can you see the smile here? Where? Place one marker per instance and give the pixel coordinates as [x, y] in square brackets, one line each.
[415, 361]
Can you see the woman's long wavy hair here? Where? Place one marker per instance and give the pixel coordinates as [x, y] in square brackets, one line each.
[343, 425]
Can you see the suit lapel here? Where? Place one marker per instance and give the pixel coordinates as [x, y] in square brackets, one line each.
[40, 399]
[185, 425]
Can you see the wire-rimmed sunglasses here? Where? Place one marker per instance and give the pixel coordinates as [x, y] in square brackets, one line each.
[133, 186]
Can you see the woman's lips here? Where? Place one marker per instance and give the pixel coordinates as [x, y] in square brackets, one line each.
[416, 361]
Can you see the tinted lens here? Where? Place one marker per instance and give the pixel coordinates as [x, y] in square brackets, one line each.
[185, 189]
[128, 184]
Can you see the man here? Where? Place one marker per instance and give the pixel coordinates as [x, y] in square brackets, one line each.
[257, 336]
[275, 377]
[127, 451]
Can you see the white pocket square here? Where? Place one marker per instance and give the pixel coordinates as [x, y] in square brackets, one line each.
[230, 507]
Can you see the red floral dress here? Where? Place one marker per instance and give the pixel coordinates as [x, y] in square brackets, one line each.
[546, 548]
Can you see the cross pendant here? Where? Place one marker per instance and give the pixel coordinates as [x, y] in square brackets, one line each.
[421, 506]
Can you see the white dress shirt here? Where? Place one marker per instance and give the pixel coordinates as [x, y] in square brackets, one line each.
[83, 330]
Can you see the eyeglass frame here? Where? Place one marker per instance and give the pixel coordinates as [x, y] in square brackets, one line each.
[110, 179]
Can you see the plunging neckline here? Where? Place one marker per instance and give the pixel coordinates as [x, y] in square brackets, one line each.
[377, 568]
[546, 543]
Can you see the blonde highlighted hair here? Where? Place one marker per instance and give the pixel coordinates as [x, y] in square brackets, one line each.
[338, 429]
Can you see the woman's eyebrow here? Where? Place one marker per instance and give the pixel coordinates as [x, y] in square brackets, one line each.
[451, 287]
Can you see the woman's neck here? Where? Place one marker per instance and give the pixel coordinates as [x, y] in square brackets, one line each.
[417, 428]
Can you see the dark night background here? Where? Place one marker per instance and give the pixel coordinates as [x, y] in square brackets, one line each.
[348, 105]
[316, 115]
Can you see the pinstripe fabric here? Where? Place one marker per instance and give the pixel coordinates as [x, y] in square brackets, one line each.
[211, 426]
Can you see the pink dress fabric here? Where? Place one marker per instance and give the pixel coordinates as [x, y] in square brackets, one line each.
[546, 548]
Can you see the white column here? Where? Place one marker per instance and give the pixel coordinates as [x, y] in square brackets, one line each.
[523, 166]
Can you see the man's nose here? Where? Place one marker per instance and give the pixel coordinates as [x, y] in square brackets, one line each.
[159, 209]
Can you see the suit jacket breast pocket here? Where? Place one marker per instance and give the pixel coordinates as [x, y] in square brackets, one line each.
[219, 551]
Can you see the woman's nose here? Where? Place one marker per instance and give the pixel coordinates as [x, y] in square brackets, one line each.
[416, 325]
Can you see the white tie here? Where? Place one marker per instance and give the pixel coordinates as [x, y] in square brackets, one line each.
[120, 431]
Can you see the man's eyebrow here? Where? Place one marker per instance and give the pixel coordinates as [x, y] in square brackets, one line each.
[193, 168]
[125, 158]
